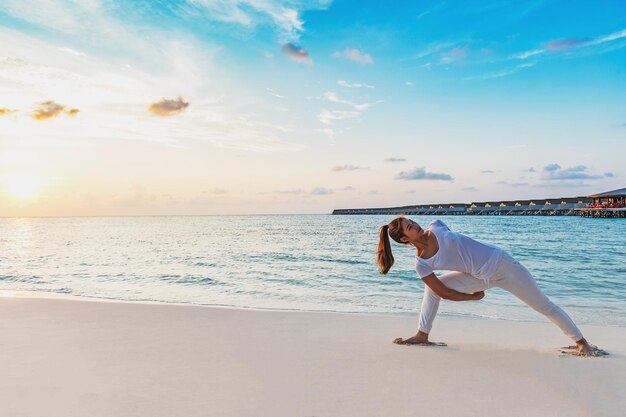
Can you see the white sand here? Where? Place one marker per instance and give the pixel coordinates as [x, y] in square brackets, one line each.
[75, 358]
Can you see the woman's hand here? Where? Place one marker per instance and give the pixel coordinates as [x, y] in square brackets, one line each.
[478, 295]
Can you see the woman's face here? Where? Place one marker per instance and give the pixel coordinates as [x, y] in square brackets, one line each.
[413, 232]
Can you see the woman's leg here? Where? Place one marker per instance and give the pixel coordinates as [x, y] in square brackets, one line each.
[516, 279]
[458, 281]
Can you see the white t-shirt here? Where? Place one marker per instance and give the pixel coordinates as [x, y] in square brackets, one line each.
[458, 252]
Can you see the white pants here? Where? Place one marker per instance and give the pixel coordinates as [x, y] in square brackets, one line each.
[511, 276]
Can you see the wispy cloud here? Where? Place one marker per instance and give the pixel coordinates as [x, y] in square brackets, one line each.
[334, 98]
[339, 168]
[504, 72]
[571, 44]
[422, 174]
[321, 191]
[531, 169]
[487, 171]
[283, 15]
[455, 54]
[564, 44]
[354, 55]
[348, 188]
[296, 53]
[168, 107]
[395, 159]
[71, 51]
[469, 189]
[4, 112]
[556, 172]
[346, 84]
[275, 94]
[329, 116]
[50, 109]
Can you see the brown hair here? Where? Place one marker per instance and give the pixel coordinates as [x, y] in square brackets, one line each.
[385, 257]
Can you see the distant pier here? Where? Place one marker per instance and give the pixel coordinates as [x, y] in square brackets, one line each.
[610, 204]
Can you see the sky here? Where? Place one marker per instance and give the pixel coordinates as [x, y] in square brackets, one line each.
[283, 106]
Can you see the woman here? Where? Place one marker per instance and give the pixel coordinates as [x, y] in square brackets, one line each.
[475, 267]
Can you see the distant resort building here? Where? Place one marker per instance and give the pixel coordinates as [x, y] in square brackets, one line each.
[608, 204]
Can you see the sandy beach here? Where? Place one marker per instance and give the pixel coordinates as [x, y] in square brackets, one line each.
[64, 357]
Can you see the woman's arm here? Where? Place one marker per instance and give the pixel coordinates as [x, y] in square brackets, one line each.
[447, 293]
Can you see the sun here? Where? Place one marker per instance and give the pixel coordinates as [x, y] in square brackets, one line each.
[22, 186]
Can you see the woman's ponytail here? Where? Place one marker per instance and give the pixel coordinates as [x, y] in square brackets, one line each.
[385, 257]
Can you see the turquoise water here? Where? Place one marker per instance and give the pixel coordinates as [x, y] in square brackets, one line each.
[306, 262]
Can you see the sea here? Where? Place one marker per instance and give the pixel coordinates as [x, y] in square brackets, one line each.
[306, 262]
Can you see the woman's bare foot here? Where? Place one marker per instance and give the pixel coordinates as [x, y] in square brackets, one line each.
[420, 338]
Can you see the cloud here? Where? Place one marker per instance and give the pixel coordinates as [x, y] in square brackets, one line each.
[71, 51]
[332, 97]
[5, 112]
[296, 53]
[345, 84]
[283, 15]
[395, 160]
[328, 117]
[347, 188]
[564, 44]
[552, 167]
[455, 54]
[609, 174]
[555, 172]
[503, 73]
[321, 191]
[275, 94]
[570, 44]
[487, 171]
[50, 109]
[355, 55]
[409, 83]
[168, 107]
[338, 168]
[469, 189]
[421, 174]
[529, 54]
[531, 169]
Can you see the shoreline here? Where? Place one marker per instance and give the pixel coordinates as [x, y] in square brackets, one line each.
[27, 294]
[65, 357]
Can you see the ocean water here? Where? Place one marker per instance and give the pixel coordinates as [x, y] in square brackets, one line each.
[306, 262]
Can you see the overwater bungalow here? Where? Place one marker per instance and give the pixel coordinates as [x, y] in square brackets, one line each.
[504, 208]
[607, 204]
